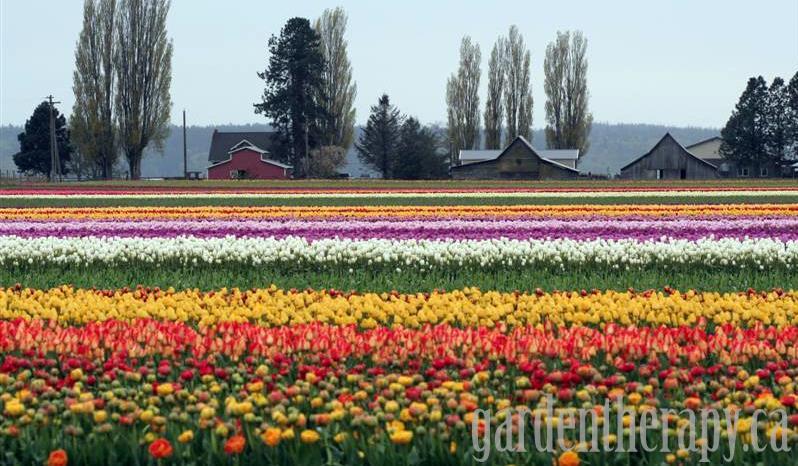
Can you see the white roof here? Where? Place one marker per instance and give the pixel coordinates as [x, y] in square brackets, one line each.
[559, 154]
[478, 155]
[551, 154]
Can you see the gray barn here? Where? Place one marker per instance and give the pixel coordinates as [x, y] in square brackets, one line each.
[668, 160]
[519, 160]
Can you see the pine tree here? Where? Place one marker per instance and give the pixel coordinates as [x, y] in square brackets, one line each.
[419, 154]
[778, 122]
[34, 157]
[792, 118]
[293, 82]
[379, 144]
[745, 134]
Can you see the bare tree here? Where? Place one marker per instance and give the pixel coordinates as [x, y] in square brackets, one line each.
[494, 108]
[337, 123]
[325, 160]
[93, 128]
[568, 120]
[518, 93]
[462, 99]
[143, 62]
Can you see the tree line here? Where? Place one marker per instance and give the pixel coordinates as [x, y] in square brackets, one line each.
[508, 109]
[122, 103]
[309, 98]
[763, 127]
[121, 82]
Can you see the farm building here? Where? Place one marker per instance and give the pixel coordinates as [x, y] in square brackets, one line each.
[669, 160]
[244, 155]
[709, 150]
[519, 160]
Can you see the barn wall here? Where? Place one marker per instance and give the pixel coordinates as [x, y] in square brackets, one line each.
[518, 162]
[250, 162]
[671, 158]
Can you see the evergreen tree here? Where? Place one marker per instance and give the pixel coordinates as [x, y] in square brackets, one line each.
[33, 157]
[778, 121]
[293, 82]
[419, 154]
[792, 118]
[378, 145]
[745, 138]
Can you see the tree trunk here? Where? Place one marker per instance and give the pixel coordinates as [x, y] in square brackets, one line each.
[134, 162]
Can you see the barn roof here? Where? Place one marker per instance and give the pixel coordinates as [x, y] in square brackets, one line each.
[663, 139]
[703, 142]
[525, 143]
[469, 156]
[223, 142]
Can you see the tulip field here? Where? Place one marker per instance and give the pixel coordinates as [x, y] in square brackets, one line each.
[398, 324]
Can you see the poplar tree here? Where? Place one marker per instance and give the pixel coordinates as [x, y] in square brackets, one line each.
[494, 107]
[518, 93]
[143, 65]
[92, 124]
[462, 99]
[338, 89]
[568, 120]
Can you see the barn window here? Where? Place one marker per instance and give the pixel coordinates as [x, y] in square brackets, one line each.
[763, 171]
[659, 174]
[742, 171]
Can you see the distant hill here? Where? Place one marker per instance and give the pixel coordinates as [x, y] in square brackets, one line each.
[611, 147]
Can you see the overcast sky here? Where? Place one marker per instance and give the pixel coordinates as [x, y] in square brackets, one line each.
[680, 62]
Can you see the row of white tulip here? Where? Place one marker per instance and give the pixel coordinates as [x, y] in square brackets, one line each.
[574, 194]
[416, 254]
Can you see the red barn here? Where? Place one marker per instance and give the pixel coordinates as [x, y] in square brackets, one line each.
[244, 159]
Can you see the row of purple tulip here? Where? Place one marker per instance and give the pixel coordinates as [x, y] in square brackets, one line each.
[785, 228]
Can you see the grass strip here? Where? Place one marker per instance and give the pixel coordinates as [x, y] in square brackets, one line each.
[376, 200]
[215, 277]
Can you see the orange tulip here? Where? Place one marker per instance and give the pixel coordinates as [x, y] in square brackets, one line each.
[235, 445]
[57, 458]
[568, 458]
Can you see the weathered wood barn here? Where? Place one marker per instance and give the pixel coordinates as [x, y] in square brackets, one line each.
[669, 160]
[519, 160]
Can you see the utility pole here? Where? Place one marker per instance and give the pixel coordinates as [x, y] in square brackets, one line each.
[55, 163]
[185, 156]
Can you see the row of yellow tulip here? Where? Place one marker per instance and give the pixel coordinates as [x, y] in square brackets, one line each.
[467, 307]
